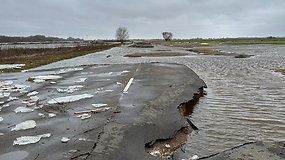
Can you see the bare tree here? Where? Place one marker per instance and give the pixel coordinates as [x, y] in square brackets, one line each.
[167, 36]
[122, 34]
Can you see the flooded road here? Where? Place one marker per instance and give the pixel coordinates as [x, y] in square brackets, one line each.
[245, 98]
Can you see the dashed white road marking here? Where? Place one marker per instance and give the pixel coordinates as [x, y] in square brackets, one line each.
[128, 85]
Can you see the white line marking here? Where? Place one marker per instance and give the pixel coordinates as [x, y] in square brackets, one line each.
[128, 85]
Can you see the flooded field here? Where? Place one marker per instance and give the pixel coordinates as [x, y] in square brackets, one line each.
[245, 98]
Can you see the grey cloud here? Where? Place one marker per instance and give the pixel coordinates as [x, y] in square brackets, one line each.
[144, 19]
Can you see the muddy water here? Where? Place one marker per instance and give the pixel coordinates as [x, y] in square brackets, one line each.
[245, 99]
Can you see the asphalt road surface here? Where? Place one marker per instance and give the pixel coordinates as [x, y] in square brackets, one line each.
[92, 112]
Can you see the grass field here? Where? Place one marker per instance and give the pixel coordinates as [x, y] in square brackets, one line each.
[41, 56]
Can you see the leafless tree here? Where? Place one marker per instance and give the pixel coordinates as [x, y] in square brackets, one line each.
[167, 36]
[122, 34]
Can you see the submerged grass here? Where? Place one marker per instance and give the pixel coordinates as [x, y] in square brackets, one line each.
[41, 56]
[156, 54]
[204, 51]
[234, 41]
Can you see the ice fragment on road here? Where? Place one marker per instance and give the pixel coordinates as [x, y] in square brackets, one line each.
[84, 116]
[29, 124]
[50, 115]
[81, 80]
[41, 115]
[69, 98]
[82, 139]
[64, 139]
[69, 89]
[99, 105]
[1, 119]
[32, 93]
[12, 99]
[59, 90]
[6, 105]
[24, 140]
[23, 110]
[11, 66]
[119, 83]
[65, 70]
[39, 79]
[195, 157]
[125, 71]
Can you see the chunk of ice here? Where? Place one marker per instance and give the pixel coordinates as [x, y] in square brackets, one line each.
[99, 105]
[64, 139]
[24, 140]
[32, 93]
[81, 80]
[69, 89]
[69, 98]
[50, 115]
[6, 105]
[29, 124]
[12, 99]
[11, 66]
[65, 70]
[41, 115]
[40, 79]
[23, 110]
[195, 157]
[1, 119]
[84, 116]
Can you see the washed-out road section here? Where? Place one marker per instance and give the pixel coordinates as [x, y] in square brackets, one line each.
[89, 112]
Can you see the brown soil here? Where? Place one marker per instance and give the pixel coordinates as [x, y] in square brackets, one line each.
[156, 54]
[165, 148]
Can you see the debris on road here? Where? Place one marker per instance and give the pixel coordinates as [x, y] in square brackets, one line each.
[32, 93]
[24, 140]
[99, 105]
[69, 98]
[97, 110]
[66, 70]
[81, 80]
[11, 66]
[64, 139]
[84, 116]
[50, 115]
[69, 89]
[39, 79]
[23, 110]
[41, 115]
[29, 124]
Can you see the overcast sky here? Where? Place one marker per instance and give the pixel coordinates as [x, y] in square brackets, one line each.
[99, 19]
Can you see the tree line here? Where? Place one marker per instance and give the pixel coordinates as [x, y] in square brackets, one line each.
[36, 38]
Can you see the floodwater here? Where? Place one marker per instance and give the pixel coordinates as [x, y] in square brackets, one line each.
[245, 98]
[42, 45]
